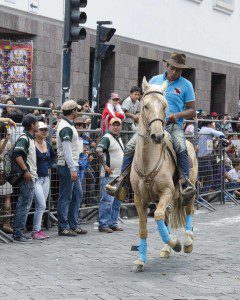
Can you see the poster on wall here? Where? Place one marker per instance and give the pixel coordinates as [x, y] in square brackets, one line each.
[16, 68]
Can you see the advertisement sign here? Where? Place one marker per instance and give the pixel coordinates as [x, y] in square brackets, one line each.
[16, 68]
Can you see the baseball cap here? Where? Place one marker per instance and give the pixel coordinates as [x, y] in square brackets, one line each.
[42, 125]
[30, 119]
[114, 96]
[113, 120]
[70, 104]
[213, 114]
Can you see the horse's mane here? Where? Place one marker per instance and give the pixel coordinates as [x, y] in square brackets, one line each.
[157, 88]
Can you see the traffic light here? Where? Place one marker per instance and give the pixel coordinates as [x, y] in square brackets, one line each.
[73, 17]
[104, 35]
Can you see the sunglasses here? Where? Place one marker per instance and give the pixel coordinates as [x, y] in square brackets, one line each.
[43, 129]
[80, 125]
[172, 68]
[116, 124]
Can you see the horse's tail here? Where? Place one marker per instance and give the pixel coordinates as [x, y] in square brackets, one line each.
[178, 214]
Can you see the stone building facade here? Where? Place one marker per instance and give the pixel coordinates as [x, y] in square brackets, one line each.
[216, 82]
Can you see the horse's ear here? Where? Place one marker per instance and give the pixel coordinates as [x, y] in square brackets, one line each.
[164, 87]
[145, 84]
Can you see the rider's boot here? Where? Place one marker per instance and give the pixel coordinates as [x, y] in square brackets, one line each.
[117, 187]
[187, 189]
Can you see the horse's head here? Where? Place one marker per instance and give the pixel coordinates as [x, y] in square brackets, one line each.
[153, 110]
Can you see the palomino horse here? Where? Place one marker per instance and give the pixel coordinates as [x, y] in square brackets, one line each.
[153, 177]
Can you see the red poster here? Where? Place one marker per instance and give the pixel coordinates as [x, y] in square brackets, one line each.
[16, 68]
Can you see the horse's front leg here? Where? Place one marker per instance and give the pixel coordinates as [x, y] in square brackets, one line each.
[142, 249]
[166, 250]
[166, 197]
[188, 241]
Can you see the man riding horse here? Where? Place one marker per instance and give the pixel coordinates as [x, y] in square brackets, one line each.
[181, 105]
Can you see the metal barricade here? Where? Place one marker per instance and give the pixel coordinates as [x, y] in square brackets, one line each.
[212, 184]
[9, 194]
[231, 154]
[90, 175]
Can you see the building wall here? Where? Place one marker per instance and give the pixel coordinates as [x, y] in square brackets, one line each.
[180, 24]
[121, 72]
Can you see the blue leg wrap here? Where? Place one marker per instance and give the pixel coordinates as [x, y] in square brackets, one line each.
[189, 222]
[142, 250]
[163, 230]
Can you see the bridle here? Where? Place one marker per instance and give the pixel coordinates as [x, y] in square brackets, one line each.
[145, 120]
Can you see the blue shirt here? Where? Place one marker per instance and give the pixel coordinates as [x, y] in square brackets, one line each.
[44, 161]
[178, 93]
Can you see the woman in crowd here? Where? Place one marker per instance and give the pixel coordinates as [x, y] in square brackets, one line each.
[6, 189]
[45, 158]
[6, 110]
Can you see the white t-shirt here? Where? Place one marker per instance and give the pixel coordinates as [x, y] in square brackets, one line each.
[234, 174]
[131, 107]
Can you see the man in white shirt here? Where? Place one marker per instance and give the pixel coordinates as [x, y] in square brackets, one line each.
[70, 188]
[205, 158]
[110, 153]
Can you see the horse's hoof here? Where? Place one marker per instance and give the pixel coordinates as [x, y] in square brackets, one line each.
[138, 266]
[188, 249]
[165, 252]
[177, 247]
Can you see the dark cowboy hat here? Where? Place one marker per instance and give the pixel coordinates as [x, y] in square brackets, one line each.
[177, 60]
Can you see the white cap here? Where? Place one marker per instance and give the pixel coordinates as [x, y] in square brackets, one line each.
[42, 125]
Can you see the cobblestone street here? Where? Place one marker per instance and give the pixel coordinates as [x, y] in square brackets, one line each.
[98, 266]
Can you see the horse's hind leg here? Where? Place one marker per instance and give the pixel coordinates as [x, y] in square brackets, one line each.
[188, 242]
[159, 215]
[142, 249]
[166, 250]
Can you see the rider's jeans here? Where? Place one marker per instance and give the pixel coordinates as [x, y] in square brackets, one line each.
[179, 143]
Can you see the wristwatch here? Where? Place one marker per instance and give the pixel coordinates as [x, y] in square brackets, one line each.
[25, 171]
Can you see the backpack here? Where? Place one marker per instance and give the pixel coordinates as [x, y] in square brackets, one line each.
[11, 170]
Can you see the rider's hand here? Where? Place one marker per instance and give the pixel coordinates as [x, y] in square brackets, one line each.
[27, 177]
[108, 170]
[74, 176]
[173, 118]
[135, 118]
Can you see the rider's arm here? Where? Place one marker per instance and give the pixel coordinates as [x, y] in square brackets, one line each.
[189, 112]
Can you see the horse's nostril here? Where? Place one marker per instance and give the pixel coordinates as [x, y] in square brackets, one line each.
[153, 136]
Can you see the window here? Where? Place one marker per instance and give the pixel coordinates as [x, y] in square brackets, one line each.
[226, 6]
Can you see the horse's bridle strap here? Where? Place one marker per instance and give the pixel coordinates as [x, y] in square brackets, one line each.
[152, 92]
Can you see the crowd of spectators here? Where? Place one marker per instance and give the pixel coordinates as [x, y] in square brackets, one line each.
[214, 131]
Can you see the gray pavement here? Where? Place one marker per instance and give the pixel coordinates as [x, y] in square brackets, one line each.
[98, 266]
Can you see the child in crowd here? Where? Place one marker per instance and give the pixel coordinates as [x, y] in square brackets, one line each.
[234, 177]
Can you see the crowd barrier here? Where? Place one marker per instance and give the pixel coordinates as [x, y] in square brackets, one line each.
[211, 185]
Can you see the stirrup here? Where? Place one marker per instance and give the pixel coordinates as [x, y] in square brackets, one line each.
[116, 187]
[187, 193]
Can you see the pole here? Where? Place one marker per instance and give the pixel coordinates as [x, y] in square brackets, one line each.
[96, 84]
[66, 71]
